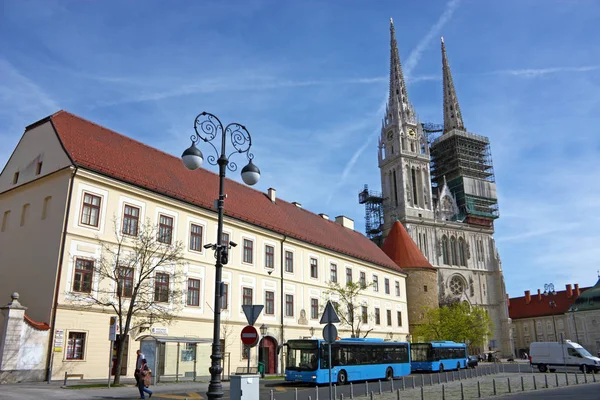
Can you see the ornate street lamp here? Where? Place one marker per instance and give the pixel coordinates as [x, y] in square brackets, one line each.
[549, 291]
[208, 127]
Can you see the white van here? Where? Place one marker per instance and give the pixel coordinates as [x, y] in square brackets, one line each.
[550, 355]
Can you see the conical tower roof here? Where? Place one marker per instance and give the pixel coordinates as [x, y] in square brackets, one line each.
[400, 247]
[452, 115]
[590, 299]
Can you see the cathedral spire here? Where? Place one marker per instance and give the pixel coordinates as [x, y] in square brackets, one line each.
[398, 99]
[452, 115]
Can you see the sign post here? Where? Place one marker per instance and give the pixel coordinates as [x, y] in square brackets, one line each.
[112, 336]
[329, 317]
[249, 338]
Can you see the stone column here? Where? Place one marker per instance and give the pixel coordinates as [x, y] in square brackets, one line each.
[14, 318]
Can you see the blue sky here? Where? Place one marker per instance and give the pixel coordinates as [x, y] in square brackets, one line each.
[309, 78]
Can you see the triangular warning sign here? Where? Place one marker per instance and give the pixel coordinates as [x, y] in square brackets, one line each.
[329, 315]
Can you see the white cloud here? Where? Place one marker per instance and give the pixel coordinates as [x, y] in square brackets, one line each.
[537, 72]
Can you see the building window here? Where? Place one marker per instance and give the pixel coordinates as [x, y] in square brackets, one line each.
[348, 276]
[425, 288]
[125, 284]
[5, 220]
[46, 207]
[247, 296]
[289, 305]
[38, 168]
[248, 251]
[480, 250]
[364, 314]
[245, 351]
[445, 250]
[269, 303]
[377, 316]
[224, 301]
[15, 178]
[131, 219]
[289, 261]
[165, 229]
[399, 315]
[225, 238]
[462, 258]
[314, 308]
[454, 257]
[193, 293]
[24, 212]
[386, 285]
[76, 346]
[333, 272]
[161, 288]
[397, 287]
[91, 210]
[196, 237]
[84, 273]
[375, 283]
[269, 257]
[314, 268]
[388, 314]
[363, 280]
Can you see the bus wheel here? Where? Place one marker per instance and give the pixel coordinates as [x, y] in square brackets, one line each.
[342, 378]
[441, 368]
[389, 374]
[542, 368]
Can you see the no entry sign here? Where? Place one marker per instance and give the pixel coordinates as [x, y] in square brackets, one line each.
[249, 336]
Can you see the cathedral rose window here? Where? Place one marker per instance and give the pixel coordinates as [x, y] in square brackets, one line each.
[457, 286]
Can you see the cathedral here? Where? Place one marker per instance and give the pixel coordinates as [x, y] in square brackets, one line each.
[439, 185]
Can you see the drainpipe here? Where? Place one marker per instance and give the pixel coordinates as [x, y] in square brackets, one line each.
[282, 311]
[50, 353]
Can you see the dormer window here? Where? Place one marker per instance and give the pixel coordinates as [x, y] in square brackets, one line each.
[15, 178]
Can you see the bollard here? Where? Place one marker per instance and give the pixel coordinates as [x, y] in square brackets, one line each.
[366, 388]
[422, 380]
[334, 391]
[342, 396]
[594, 377]
[494, 384]
[351, 391]
[546, 381]
[519, 364]
[567, 378]
[392, 383]
[556, 376]
[509, 388]
[462, 393]
[443, 393]
[380, 387]
[271, 394]
[585, 376]
[576, 378]
[403, 384]
[522, 384]
[398, 394]
[459, 378]
[317, 393]
[446, 374]
[309, 398]
[430, 380]
[371, 395]
[422, 394]
[295, 393]
[413, 382]
[534, 382]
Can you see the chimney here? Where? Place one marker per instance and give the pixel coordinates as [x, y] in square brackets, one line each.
[345, 221]
[539, 295]
[271, 193]
[569, 290]
[297, 204]
[324, 216]
[577, 291]
[527, 297]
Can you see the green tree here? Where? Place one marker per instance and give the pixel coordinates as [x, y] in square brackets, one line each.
[348, 307]
[458, 322]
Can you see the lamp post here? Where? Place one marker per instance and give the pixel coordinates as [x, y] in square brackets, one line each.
[549, 291]
[263, 332]
[208, 128]
[573, 310]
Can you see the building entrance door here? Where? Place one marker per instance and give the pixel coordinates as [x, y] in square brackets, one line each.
[268, 354]
[125, 358]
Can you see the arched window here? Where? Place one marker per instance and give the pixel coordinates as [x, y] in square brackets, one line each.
[453, 256]
[462, 252]
[445, 250]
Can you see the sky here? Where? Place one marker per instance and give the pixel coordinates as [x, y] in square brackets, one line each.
[309, 80]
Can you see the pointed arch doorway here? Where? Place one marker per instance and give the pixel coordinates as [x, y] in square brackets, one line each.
[268, 354]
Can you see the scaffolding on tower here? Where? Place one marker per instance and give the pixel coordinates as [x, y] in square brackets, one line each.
[373, 202]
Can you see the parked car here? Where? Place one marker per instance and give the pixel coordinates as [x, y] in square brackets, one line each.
[472, 361]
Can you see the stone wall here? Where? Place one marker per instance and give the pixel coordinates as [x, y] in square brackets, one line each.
[417, 297]
[23, 345]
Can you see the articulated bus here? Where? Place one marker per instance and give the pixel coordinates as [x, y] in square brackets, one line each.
[351, 360]
[438, 356]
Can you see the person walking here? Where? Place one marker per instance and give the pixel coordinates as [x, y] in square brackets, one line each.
[145, 377]
[138, 365]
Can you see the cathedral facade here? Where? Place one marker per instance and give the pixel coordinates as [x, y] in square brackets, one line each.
[443, 192]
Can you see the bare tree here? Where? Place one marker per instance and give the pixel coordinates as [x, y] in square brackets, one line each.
[138, 278]
[348, 306]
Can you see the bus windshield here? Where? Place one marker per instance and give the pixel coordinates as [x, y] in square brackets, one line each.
[302, 355]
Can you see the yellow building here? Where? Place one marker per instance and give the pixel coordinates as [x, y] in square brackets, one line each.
[69, 181]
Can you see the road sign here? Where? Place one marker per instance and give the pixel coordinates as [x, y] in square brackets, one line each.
[329, 315]
[114, 329]
[252, 312]
[249, 336]
[330, 333]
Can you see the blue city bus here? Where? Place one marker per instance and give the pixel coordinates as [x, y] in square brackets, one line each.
[438, 356]
[352, 360]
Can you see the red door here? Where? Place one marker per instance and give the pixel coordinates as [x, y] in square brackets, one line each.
[268, 354]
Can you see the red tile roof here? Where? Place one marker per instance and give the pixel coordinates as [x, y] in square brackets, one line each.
[99, 149]
[401, 248]
[539, 304]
